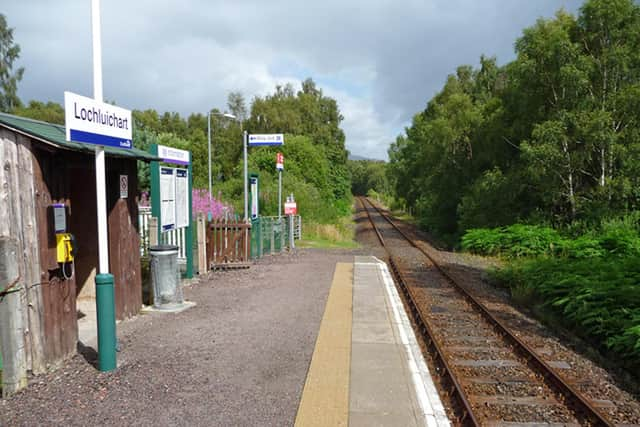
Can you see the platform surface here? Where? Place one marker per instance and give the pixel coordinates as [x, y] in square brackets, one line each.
[387, 382]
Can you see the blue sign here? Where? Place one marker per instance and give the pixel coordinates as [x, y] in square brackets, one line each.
[266, 139]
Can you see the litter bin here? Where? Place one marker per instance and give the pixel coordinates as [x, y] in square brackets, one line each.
[165, 277]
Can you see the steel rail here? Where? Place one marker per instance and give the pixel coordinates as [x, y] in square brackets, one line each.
[581, 404]
[468, 417]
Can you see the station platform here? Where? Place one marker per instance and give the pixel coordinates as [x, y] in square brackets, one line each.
[367, 368]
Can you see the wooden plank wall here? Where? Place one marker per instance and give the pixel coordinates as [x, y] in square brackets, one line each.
[51, 173]
[124, 239]
[33, 176]
[18, 229]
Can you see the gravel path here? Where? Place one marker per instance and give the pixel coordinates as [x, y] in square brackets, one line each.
[240, 357]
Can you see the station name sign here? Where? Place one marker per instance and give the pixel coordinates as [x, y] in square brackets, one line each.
[93, 122]
[173, 155]
[266, 139]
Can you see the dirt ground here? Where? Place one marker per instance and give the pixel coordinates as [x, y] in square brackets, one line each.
[240, 357]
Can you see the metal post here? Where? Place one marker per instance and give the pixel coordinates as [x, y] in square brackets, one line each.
[292, 244]
[279, 194]
[209, 145]
[246, 178]
[188, 241]
[105, 303]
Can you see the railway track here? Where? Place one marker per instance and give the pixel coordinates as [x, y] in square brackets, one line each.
[489, 374]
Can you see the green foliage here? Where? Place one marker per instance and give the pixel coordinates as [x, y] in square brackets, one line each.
[368, 175]
[589, 282]
[339, 234]
[488, 202]
[614, 238]
[599, 298]
[552, 136]
[9, 52]
[308, 113]
[514, 241]
[50, 112]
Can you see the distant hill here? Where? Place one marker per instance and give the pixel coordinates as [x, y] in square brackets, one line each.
[357, 157]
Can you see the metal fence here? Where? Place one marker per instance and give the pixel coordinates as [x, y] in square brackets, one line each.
[172, 237]
[297, 224]
[272, 236]
[144, 214]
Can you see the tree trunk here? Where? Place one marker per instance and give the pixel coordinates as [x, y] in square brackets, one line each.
[570, 184]
[603, 166]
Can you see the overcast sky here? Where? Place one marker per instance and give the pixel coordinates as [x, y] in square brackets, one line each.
[382, 60]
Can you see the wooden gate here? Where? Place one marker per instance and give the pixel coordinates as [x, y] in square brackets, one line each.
[228, 245]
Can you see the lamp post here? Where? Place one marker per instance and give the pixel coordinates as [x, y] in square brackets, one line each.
[209, 113]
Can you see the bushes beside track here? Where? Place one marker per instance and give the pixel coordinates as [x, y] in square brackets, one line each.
[590, 283]
[598, 298]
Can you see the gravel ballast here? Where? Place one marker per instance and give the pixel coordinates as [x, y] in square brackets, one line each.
[239, 357]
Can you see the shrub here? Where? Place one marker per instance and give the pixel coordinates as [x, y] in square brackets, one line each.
[597, 298]
[516, 240]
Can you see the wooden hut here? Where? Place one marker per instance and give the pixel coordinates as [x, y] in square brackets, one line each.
[39, 304]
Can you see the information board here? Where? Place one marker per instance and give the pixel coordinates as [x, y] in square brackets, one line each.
[167, 199]
[254, 198]
[182, 198]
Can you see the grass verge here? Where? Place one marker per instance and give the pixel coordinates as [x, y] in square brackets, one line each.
[329, 236]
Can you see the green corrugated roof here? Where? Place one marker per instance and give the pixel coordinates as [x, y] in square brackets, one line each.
[56, 135]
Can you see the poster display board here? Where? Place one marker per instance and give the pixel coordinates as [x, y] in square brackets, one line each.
[254, 197]
[182, 198]
[167, 199]
[171, 199]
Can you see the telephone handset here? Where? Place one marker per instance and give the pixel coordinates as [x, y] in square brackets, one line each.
[66, 247]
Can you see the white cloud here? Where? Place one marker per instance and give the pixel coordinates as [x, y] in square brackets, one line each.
[382, 60]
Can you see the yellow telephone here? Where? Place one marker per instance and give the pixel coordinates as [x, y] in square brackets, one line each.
[65, 242]
[65, 247]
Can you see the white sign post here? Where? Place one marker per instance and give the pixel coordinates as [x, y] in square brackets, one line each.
[279, 168]
[92, 121]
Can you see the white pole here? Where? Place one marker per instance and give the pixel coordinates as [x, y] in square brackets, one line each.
[101, 186]
[246, 190]
[279, 194]
[209, 139]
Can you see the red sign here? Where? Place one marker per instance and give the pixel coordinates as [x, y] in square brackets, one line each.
[279, 161]
[290, 208]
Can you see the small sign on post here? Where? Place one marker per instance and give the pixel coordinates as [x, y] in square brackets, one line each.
[290, 208]
[124, 186]
[279, 162]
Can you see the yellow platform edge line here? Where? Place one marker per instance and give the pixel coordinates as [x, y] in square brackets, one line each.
[325, 397]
